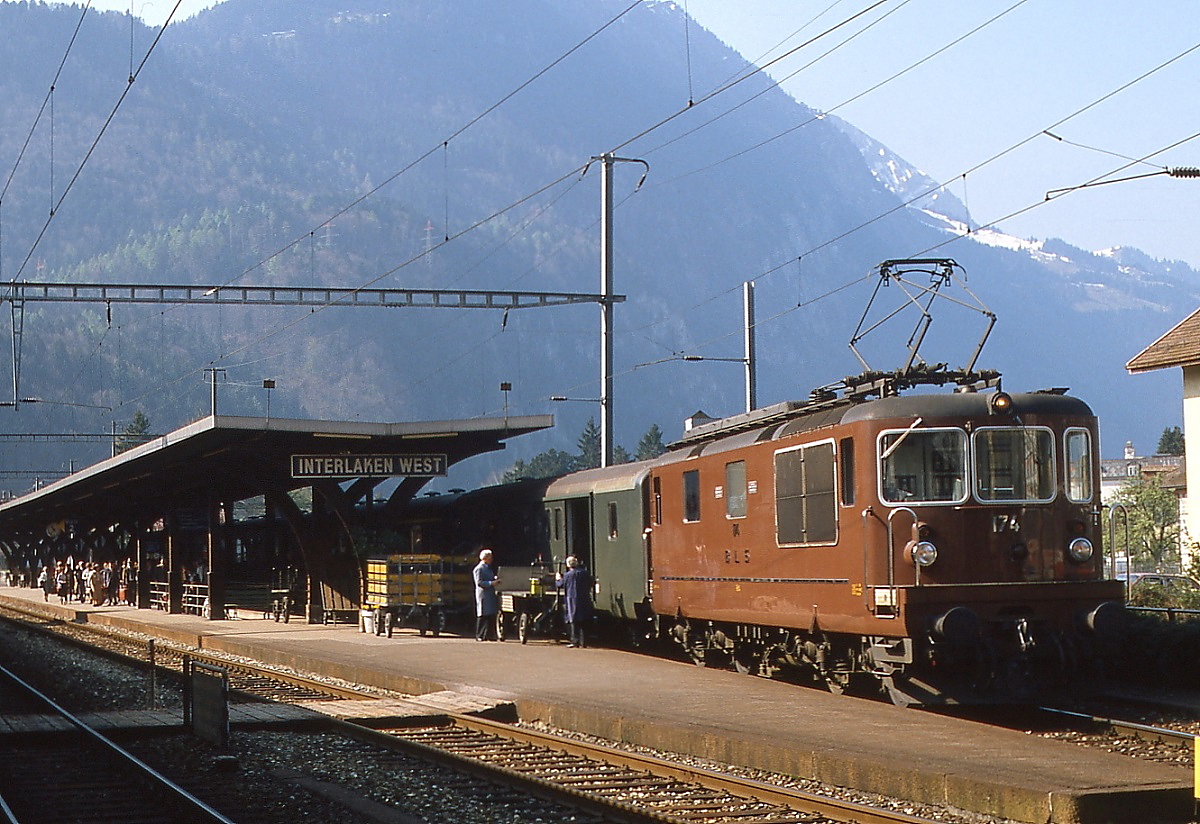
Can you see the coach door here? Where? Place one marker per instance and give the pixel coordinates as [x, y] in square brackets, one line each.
[571, 529]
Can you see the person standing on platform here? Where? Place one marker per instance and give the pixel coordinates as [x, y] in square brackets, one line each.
[487, 602]
[577, 600]
[45, 582]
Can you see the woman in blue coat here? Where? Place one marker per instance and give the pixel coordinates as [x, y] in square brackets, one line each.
[577, 599]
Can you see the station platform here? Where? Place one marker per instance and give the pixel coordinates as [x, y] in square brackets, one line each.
[720, 715]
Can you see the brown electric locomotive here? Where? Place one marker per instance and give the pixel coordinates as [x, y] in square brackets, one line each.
[939, 546]
[944, 546]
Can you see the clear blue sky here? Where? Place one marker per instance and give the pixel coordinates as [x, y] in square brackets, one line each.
[1032, 67]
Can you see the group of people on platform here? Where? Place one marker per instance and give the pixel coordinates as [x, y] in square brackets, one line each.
[98, 583]
[576, 586]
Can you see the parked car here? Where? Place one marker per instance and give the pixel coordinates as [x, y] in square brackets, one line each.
[1174, 584]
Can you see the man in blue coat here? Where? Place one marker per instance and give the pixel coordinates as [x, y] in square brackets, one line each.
[577, 599]
[487, 602]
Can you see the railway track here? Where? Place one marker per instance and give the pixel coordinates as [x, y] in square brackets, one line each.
[620, 785]
[248, 681]
[82, 777]
[603, 783]
[1128, 729]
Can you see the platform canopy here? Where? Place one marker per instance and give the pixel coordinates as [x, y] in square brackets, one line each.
[228, 458]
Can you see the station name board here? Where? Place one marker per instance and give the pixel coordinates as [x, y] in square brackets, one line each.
[368, 466]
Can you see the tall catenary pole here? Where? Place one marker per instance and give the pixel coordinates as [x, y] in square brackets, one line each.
[607, 299]
[751, 377]
[606, 310]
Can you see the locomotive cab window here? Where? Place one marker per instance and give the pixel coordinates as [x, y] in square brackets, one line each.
[923, 466]
[1014, 463]
[1078, 453]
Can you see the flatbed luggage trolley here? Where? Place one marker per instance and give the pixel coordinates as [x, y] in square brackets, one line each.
[415, 590]
[533, 611]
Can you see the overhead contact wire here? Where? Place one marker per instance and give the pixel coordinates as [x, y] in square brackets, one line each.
[92, 148]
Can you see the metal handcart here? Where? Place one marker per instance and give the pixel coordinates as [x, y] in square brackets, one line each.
[535, 610]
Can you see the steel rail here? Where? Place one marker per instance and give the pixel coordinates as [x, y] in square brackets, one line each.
[201, 811]
[164, 647]
[794, 799]
[1146, 732]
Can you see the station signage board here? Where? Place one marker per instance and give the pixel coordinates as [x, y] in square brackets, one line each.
[387, 465]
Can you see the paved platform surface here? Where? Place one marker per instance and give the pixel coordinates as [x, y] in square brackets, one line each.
[710, 713]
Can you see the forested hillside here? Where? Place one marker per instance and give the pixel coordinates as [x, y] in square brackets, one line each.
[435, 145]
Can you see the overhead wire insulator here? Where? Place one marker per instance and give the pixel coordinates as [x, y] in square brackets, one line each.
[1184, 171]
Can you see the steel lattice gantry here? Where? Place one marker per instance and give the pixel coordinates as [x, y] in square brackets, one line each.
[17, 293]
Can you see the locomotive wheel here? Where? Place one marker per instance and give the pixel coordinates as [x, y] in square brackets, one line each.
[837, 682]
[745, 662]
[896, 695]
[523, 627]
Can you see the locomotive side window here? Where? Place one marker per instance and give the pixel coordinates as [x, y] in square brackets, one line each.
[805, 511]
[612, 520]
[923, 466]
[657, 500]
[1079, 465]
[691, 495]
[1014, 463]
[847, 465]
[735, 489]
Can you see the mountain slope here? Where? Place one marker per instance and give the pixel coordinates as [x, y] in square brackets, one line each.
[257, 123]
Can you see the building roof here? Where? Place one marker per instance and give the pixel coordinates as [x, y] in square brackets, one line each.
[231, 458]
[1178, 347]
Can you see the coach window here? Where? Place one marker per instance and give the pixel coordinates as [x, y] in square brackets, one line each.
[657, 500]
[557, 523]
[923, 466]
[691, 495]
[735, 489]
[1079, 465]
[612, 520]
[804, 499]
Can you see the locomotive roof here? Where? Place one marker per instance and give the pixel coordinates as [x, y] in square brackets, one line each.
[791, 417]
[965, 404]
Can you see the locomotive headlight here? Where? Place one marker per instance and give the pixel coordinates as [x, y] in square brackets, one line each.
[1000, 403]
[1080, 550]
[922, 553]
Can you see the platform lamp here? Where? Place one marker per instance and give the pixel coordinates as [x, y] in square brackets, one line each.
[268, 384]
[506, 387]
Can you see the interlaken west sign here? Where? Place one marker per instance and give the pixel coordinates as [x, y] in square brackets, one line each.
[369, 466]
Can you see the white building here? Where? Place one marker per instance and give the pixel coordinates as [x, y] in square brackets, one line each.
[1181, 347]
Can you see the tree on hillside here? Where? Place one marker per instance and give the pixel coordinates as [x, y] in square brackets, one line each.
[1153, 523]
[135, 434]
[1171, 441]
[651, 445]
[543, 465]
[589, 446]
